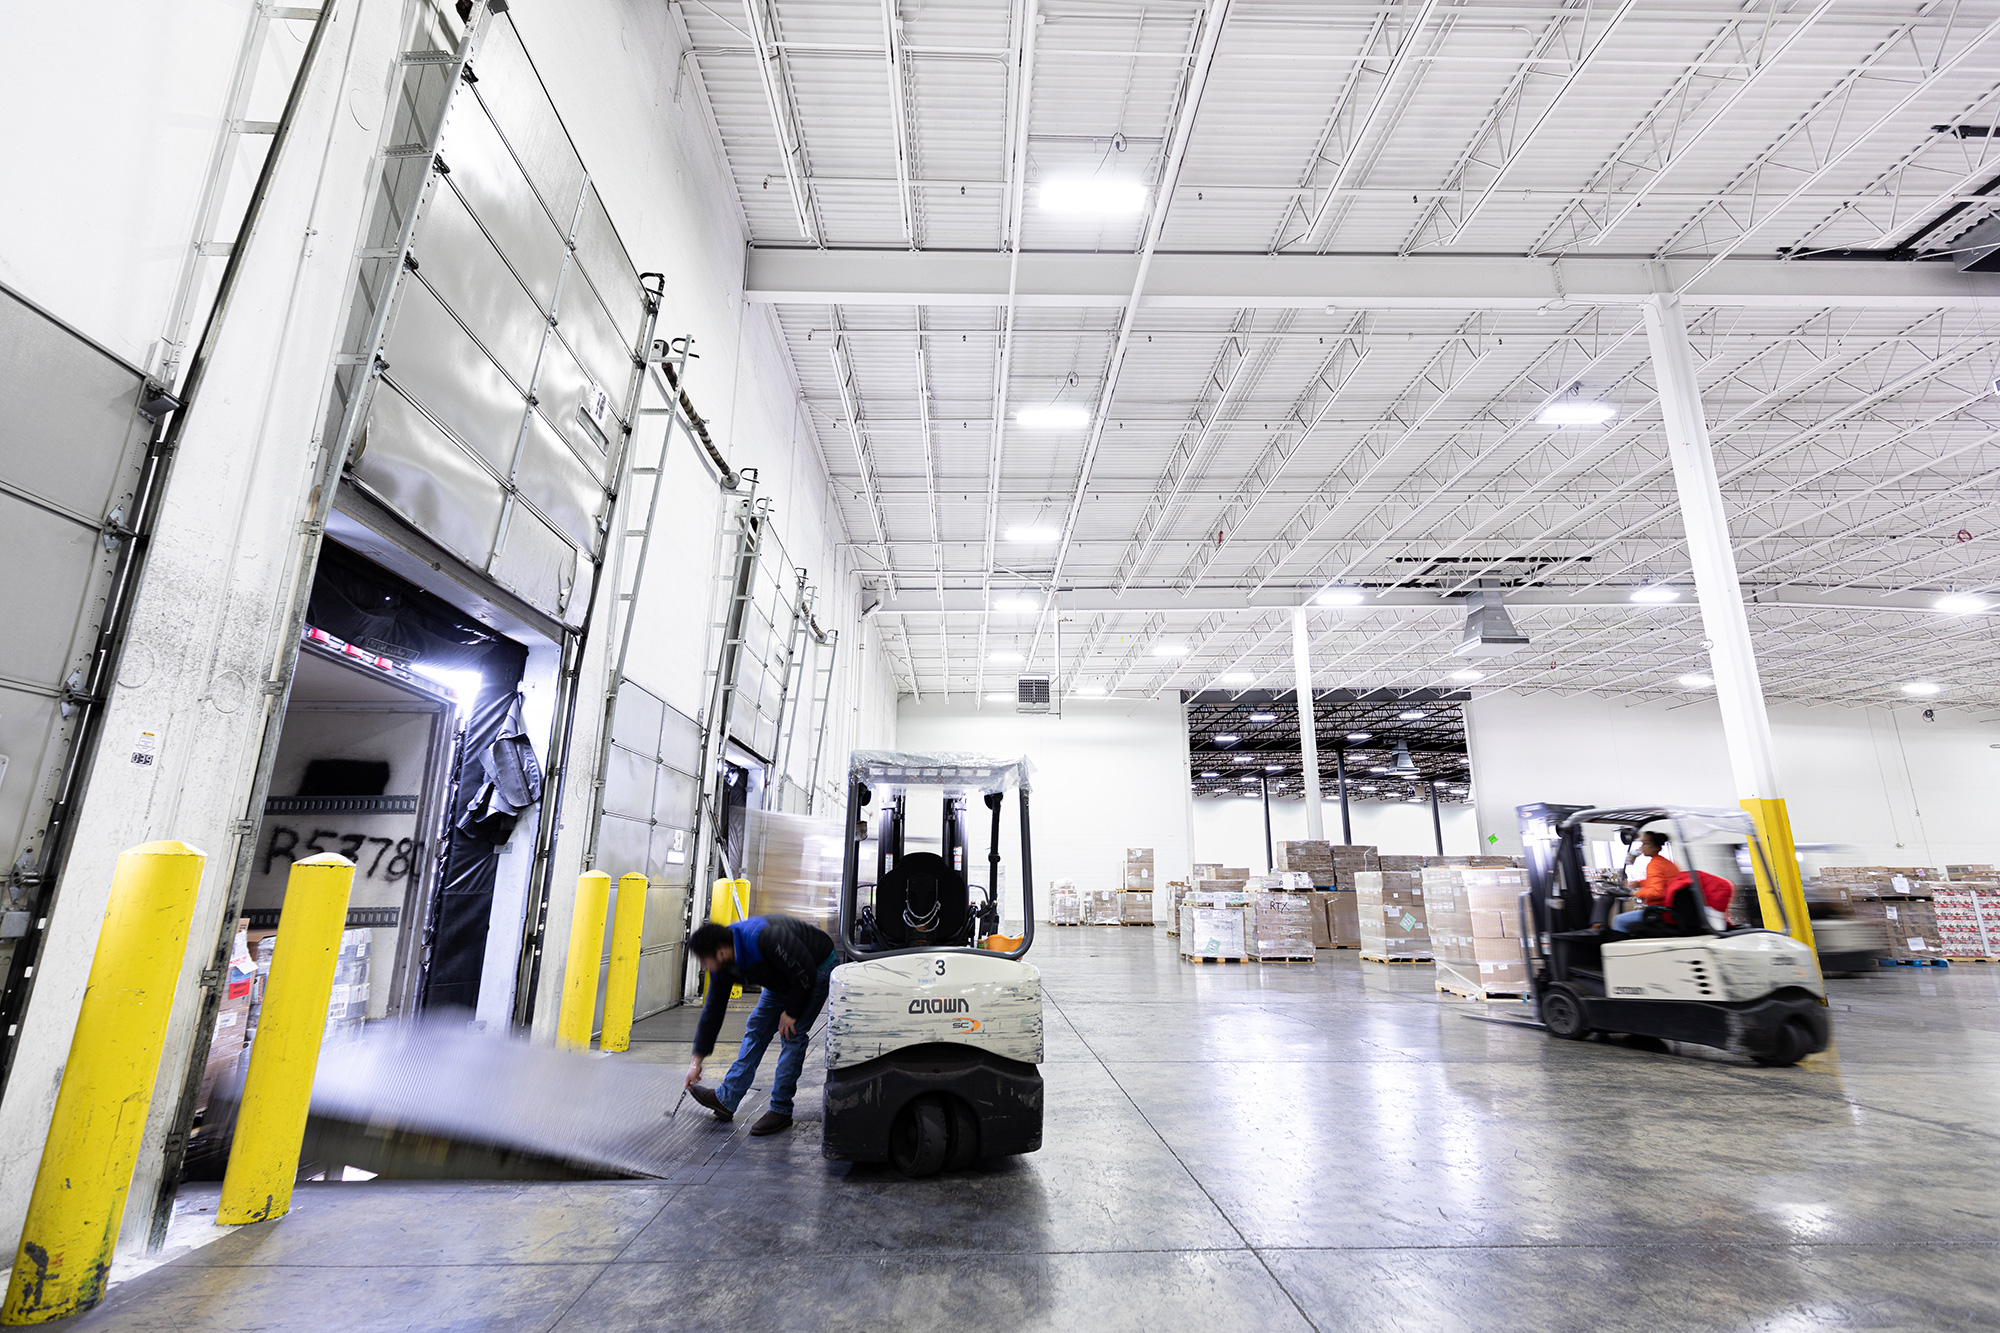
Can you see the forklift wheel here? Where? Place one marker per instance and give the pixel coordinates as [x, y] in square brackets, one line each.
[1793, 1041]
[920, 1139]
[964, 1135]
[1562, 1014]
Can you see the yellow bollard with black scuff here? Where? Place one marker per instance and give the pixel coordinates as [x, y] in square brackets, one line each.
[586, 951]
[107, 1086]
[621, 986]
[277, 1092]
[728, 902]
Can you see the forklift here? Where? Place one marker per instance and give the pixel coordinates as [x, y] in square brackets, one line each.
[934, 1022]
[1677, 975]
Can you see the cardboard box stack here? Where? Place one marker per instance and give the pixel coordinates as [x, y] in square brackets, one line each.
[1475, 925]
[1135, 909]
[347, 1010]
[1100, 907]
[232, 1023]
[1282, 924]
[1898, 896]
[1065, 903]
[1207, 870]
[1968, 919]
[1216, 925]
[1475, 862]
[1322, 932]
[1138, 869]
[1977, 874]
[1390, 905]
[1331, 865]
[1175, 890]
[1343, 919]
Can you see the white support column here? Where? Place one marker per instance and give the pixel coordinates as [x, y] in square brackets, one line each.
[1746, 727]
[1308, 738]
[1737, 687]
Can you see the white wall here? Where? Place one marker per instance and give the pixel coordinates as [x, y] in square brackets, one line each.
[1864, 786]
[1109, 774]
[1230, 829]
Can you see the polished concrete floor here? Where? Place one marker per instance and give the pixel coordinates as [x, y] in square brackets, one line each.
[1324, 1146]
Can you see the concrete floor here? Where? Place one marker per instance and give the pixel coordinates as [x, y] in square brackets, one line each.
[1270, 1147]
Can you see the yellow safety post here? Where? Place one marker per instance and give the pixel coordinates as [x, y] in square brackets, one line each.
[586, 950]
[728, 902]
[277, 1092]
[1774, 830]
[621, 987]
[107, 1086]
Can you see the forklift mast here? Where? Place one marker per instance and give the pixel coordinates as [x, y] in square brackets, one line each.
[1558, 893]
[954, 844]
[889, 837]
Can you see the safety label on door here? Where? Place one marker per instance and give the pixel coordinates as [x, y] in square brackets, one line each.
[145, 748]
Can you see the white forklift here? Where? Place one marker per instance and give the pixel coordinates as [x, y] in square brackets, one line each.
[934, 1024]
[1676, 975]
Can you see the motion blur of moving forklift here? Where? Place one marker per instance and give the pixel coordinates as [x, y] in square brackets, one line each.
[1683, 971]
[934, 1022]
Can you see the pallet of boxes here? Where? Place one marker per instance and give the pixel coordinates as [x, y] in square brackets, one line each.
[1217, 922]
[1901, 897]
[1282, 908]
[1331, 868]
[1065, 903]
[1968, 914]
[1390, 904]
[1135, 898]
[1475, 925]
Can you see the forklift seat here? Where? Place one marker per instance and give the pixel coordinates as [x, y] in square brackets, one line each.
[1684, 914]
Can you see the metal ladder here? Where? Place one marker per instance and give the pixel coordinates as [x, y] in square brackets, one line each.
[170, 353]
[825, 657]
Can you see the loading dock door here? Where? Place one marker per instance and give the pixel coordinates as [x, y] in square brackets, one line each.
[72, 450]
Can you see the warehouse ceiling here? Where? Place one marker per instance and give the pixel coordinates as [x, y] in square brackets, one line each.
[1241, 740]
[1374, 242]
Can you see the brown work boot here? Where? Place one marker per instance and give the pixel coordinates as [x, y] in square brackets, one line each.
[770, 1123]
[707, 1097]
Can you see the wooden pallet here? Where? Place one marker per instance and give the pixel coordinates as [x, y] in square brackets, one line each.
[1194, 958]
[1133, 923]
[1912, 962]
[1065, 923]
[1478, 992]
[1970, 958]
[1378, 958]
[1290, 958]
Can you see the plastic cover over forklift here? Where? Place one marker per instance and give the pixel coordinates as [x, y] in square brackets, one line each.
[951, 770]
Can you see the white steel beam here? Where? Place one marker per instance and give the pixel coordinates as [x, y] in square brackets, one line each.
[1308, 737]
[791, 148]
[1108, 601]
[1174, 281]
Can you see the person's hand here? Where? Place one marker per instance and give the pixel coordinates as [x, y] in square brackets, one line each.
[786, 1026]
[694, 1073]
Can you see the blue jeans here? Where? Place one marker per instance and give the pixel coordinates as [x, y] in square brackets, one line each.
[757, 1034]
[1624, 921]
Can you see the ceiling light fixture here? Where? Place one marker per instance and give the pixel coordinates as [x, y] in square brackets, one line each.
[1236, 678]
[1468, 676]
[1104, 196]
[1247, 778]
[1033, 535]
[1697, 681]
[1211, 774]
[1359, 735]
[1412, 716]
[1960, 604]
[1274, 768]
[1341, 597]
[1227, 738]
[1263, 717]
[1656, 594]
[1922, 688]
[1056, 416]
[1574, 413]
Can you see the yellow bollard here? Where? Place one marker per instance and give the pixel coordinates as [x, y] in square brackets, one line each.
[728, 902]
[1774, 830]
[586, 951]
[277, 1092]
[621, 988]
[107, 1086]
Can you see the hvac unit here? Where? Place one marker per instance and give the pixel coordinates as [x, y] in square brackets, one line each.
[1031, 694]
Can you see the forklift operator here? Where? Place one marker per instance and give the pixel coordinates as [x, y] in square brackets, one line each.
[1660, 876]
[792, 960]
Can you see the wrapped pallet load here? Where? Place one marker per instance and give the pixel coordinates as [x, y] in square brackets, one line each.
[1138, 869]
[1968, 918]
[1176, 891]
[1475, 930]
[1901, 898]
[1390, 905]
[1100, 907]
[1135, 909]
[1343, 919]
[1065, 903]
[1215, 927]
[1283, 926]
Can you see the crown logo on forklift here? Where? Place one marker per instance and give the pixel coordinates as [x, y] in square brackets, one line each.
[951, 1006]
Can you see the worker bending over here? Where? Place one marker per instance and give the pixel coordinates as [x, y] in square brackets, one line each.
[1660, 877]
[792, 960]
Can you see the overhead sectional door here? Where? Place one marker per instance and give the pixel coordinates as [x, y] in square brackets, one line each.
[494, 427]
[72, 453]
[651, 797]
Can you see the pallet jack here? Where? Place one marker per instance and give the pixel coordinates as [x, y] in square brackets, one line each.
[1677, 976]
[934, 1024]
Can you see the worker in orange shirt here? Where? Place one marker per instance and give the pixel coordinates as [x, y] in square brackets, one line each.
[1660, 875]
